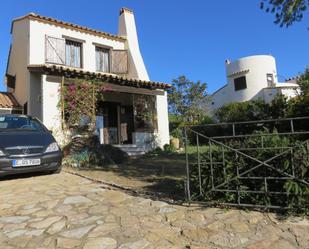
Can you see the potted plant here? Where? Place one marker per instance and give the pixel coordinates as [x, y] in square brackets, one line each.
[176, 134]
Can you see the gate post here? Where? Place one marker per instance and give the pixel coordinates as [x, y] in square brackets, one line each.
[187, 166]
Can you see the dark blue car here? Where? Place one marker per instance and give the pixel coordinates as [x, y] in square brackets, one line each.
[26, 145]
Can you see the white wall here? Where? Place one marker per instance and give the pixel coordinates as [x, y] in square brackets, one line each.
[51, 114]
[163, 122]
[18, 61]
[35, 96]
[38, 30]
[127, 28]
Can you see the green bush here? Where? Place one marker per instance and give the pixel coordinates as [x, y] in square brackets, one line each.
[87, 152]
[298, 192]
[169, 148]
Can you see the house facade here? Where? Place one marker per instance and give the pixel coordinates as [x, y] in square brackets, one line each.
[46, 53]
[251, 78]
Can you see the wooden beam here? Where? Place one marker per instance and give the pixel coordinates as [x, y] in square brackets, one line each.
[127, 89]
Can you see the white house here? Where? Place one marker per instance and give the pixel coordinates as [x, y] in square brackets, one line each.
[45, 51]
[249, 78]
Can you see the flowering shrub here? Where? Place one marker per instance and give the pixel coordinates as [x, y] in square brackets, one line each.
[79, 98]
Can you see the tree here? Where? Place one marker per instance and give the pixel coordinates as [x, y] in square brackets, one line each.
[242, 111]
[286, 11]
[253, 110]
[188, 99]
[299, 106]
[303, 82]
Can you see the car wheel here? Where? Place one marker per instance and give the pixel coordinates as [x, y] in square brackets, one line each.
[57, 171]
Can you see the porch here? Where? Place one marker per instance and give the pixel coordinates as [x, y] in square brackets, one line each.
[127, 120]
[129, 113]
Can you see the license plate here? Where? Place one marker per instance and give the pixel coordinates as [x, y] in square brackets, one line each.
[26, 162]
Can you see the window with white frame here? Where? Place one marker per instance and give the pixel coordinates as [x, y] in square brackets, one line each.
[73, 53]
[102, 59]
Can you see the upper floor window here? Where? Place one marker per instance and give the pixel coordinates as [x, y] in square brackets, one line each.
[270, 79]
[102, 59]
[240, 83]
[73, 53]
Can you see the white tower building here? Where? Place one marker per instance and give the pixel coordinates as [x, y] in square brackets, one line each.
[249, 78]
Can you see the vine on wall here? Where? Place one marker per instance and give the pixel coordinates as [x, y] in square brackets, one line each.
[79, 98]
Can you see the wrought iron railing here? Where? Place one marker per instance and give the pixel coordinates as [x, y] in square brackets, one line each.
[261, 164]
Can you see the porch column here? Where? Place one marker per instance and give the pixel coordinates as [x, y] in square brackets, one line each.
[162, 116]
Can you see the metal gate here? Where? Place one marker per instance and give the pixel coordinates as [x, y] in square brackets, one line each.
[260, 164]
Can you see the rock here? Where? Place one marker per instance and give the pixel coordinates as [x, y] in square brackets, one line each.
[27, 207]
[240, 227]
[49, 204]
[56, 227]
[35, 232]
[158, 204]
[14, 219]
[96, 190]
[282, 244]
[140, 244]
[197, 234]
[45, 223]
[87, 221]
[183, 224]
[67, 243]
[76, 200]
[260, 245]
[77, 233]
[301, 234]
[100, 243]
[223, 239]
[16, 233]
[28, 211]
[104, 229]
[12, 227]
[164, 210]
[127, 221]
[217, 225]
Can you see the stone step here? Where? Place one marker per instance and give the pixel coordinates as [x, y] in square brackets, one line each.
[131, 149]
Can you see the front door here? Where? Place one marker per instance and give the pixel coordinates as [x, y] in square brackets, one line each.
[126, 124]
[117, 122]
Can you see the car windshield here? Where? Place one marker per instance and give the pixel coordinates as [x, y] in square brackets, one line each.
[19, 123]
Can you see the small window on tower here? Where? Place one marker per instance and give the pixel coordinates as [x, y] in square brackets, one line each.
[240, 83]
[270, 79]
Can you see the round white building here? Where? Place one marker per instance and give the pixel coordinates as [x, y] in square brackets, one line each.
[252, 77]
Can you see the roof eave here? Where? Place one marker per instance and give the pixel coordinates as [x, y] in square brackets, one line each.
[110, 78]
[33, 16]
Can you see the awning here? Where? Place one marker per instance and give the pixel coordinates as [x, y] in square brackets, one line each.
[70, 72]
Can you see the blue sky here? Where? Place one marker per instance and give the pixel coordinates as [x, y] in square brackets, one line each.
[191, 38]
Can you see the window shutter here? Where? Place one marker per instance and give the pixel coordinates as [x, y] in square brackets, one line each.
[119, 63]
[55, 50]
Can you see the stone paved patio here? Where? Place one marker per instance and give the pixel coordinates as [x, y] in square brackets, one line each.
[66, 211]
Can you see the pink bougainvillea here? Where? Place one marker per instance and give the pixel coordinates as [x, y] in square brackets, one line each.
[79, 99]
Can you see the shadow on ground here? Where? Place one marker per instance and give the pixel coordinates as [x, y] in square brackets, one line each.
[163, 174]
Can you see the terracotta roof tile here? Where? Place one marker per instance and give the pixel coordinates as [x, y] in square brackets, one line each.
[54, 21]
[110, 78]
[7, 100]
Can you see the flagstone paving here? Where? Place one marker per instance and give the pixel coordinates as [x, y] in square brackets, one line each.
[67, 211]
